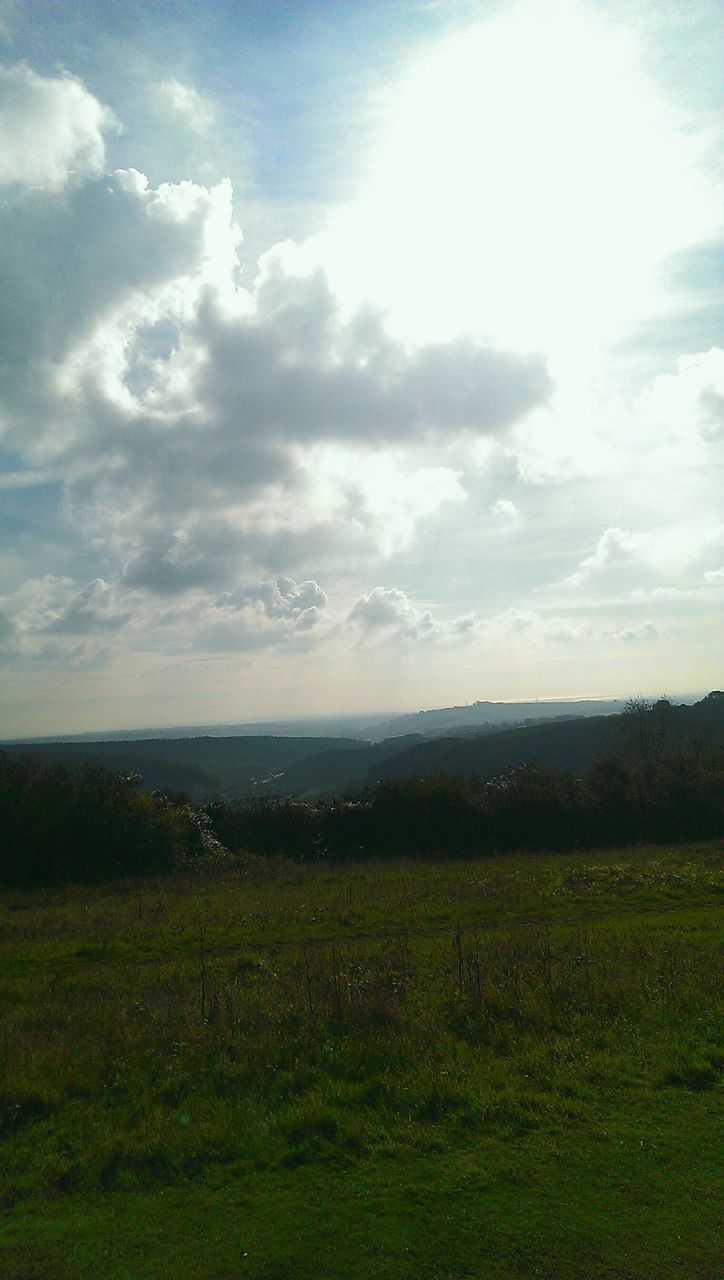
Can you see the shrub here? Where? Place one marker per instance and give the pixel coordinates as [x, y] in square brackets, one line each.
[63, 824]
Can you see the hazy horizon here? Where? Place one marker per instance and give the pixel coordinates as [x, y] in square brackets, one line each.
[357, 356]
[374, 715]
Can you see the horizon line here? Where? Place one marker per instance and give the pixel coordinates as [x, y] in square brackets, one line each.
[346, 715]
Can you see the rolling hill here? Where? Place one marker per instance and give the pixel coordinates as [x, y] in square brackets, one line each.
[571, 744]
[204, 767]
[314, 768]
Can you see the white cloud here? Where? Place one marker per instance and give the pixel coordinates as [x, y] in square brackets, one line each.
[182, 411]
[622, 558]
[264, 614]
[668, 425]
[389, 613]
[83, 273]
[513, 628]
[504, 509]
[388, 607]
[54, 618]
[688, 402]
[614, 547]
[279, 598]
[513, 621]
[51, 128]
[186, 102]
[376, 499]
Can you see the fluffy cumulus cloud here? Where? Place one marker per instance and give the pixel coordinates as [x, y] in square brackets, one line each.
[265, 614]
[615, 547]
[51, 128]
[201, 428]
[82, 275]
[55, 617]
[643, 631]
[279, 600]
[643, 563]
[665, 426]
[390, 613]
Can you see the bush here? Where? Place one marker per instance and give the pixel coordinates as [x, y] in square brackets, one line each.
[87, 824]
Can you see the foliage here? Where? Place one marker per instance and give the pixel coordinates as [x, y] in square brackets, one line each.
[85, 824]
[658, 788]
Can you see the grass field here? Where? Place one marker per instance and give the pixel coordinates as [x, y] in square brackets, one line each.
[497, 1068]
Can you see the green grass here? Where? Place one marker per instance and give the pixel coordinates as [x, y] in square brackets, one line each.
[493, 1068]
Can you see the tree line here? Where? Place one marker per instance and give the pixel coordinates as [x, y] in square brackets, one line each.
[87, 824]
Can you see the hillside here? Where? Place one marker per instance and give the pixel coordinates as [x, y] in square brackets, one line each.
[352, 726]
[323, 767]
[366, 727]
[334, 772]
[204, 767]
[567, 744]
[571, 744]
[476, 716]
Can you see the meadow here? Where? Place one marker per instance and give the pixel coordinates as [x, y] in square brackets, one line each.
[499, 1067]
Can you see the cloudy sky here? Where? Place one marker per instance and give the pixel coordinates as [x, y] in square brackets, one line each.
[357, 356]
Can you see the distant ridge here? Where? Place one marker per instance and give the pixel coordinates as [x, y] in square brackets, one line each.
[498, 714]
[565, 742]
[321, 767]
[203, 767]
[304, 727]
[367, 726]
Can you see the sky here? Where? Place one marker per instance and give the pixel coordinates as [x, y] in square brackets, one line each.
[357, 356]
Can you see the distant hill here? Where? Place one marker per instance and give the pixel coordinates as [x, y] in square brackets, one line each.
[571, 744]
[323, 767]
[710, 710]
[474, 717]
[353, 726]
[332, 773]
[490, 715]
[204, 767]
[567, 744]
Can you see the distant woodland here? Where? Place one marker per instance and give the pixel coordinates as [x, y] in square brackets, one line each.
[96, 811]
